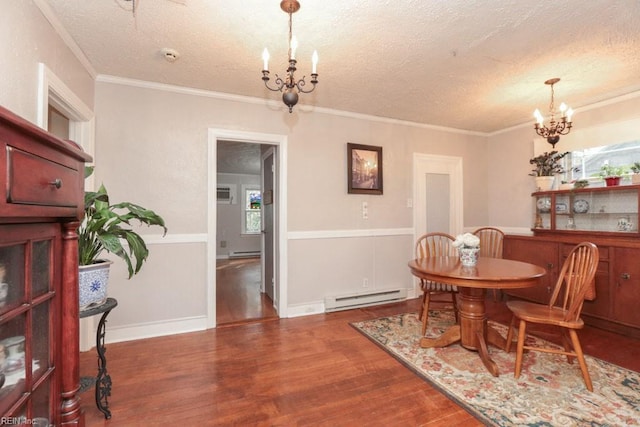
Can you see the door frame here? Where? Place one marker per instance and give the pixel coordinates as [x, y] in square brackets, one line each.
[53, 91]
[215, 135]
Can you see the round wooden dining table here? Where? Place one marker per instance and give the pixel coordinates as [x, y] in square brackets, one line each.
[473, 332]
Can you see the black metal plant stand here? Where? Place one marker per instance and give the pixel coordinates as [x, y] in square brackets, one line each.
[103, 379]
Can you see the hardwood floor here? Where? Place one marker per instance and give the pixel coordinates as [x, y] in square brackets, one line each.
[307, 371]
[238, 296]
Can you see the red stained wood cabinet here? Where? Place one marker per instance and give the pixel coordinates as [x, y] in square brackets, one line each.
[42, 178]
[617, 277]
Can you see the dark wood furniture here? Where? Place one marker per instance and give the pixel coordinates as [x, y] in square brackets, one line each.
[575, 285]
[491, 245]
[605, 211]
[473, 282]
[617, 280]
[435, 245]
[42, 178]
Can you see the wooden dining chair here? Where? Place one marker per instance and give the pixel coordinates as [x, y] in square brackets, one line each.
[576, 283]
[491, 244]
[432, 245]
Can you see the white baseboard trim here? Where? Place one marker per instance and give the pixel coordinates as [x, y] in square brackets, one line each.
[140, 331]
[305, 309]
[155, 329]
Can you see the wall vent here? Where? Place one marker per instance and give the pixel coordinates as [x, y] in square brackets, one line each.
[226, 194]
[244, 254]
[346, 302]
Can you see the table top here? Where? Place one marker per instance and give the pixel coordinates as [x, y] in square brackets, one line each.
[487, 273]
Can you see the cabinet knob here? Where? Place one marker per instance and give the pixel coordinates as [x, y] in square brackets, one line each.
[56, 183]
[550, 266]
[625, 276]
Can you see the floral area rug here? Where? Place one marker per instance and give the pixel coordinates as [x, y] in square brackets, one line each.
[549, 392]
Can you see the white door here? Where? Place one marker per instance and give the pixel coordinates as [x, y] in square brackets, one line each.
[437, 188]
[269, 197]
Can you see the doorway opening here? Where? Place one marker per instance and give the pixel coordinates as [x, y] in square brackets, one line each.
[272, 229]
[245, 177]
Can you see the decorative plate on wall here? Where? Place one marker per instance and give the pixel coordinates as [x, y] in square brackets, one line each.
[581, 206]
[544, 204]
[561, 208]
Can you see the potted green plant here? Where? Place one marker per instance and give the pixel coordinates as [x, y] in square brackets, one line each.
[107, 227]
[546, 166]
[612, 174]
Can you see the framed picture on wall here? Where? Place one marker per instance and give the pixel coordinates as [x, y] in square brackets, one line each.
[364, 169]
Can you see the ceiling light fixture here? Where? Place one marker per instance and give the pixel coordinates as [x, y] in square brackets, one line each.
[555, 129]
[289, 86]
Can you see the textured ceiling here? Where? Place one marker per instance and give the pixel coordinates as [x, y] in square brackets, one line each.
[476, 65]
[238, 157]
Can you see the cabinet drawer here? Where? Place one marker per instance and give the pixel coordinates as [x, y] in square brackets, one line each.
[603, 251]
[34, 180]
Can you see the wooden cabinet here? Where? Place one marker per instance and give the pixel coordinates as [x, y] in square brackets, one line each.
[598, 210]
[42, 177]
[538, 252]
[625, 287]
[617, 277]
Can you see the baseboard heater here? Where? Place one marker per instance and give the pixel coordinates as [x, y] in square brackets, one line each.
[244, 254]
[347, 302]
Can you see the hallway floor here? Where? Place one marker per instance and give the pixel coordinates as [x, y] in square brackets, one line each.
[238, 296]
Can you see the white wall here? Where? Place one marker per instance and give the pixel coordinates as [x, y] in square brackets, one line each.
[160, 138]
[26, 39]
[229, 217]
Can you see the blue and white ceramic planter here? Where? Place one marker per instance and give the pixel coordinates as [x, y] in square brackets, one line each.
[469, 256]
[93, 283]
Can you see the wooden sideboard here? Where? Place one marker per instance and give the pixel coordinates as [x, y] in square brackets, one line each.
[616, 307]
[42, 178]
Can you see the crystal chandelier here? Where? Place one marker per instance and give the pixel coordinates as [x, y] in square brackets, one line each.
[288, 85]
[555, 129]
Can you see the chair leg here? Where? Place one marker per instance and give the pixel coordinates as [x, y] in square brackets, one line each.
[509, 338]
[520, 349]
[424, 296]
[425, 312]
[566, 343]
[580, 355]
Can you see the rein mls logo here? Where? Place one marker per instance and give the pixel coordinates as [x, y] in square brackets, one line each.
[39, 422]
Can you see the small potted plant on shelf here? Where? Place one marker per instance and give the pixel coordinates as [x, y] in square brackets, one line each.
[106, 227]
[546, 166]
[581, 183]
[612, 174]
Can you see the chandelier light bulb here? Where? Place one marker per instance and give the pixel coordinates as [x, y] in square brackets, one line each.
[563, 108]
[265, 59]
[538, 116]
[314, 62]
